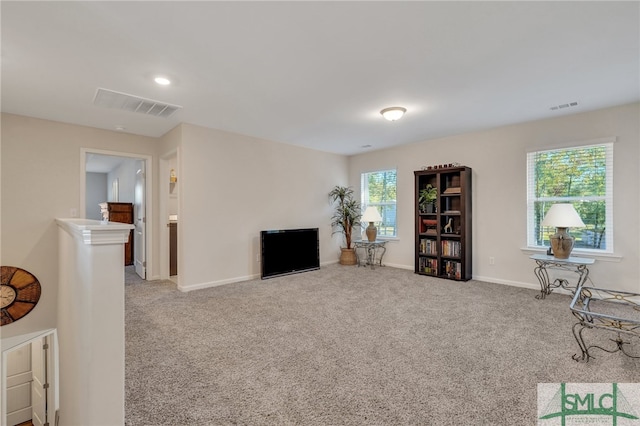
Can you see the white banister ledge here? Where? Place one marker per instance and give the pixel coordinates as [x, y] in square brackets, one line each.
[90, 321]
[94, 232]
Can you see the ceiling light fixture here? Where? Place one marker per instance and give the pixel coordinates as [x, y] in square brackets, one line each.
[162, 81]
[393, 113]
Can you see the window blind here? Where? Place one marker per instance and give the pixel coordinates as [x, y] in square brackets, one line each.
[580, 175]
[378, 189]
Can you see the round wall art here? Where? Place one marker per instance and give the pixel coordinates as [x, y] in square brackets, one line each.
[19, 293]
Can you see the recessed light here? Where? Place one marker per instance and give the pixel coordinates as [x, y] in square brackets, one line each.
[163, 81]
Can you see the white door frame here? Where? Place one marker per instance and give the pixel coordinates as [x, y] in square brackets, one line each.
[140, 220]
[148, 195]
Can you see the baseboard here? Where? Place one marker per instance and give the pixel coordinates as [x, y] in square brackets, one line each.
[201, 286]
[520, 284]
[507, 282]
[487, 279]
[187, 288]
[391, 265]
[399, 266]
[531, 286]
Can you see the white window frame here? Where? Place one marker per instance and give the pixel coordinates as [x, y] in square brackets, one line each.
[608, 197]
[364, 200]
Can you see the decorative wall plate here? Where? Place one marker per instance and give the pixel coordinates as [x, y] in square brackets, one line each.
[19, 293]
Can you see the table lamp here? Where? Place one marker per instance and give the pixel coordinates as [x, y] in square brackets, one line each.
[562, 216]
[371, 215]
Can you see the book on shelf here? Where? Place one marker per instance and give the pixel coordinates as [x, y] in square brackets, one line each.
[451, 248]
[453, 269]
[451, 212]
[452, 190]
[428, 246]
[428, 266]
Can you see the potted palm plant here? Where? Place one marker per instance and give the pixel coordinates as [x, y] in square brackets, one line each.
[427, 198]
[346, 215]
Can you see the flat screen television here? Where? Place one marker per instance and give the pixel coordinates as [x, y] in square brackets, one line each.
[289, 251]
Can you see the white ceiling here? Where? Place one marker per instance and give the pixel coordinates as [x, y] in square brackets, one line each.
[316, 74]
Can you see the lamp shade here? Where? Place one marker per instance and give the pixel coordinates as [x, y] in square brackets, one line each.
[562, 216]
[371, 214]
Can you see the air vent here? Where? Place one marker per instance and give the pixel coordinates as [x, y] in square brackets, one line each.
[562, 106]
[111, 99]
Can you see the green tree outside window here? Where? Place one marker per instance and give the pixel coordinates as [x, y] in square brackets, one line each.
[379, 190]
[578, 176]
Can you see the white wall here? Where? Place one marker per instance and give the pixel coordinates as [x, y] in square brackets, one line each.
[234, 186]
[498, 160]
[41, 182]
[126, 175]
[96, 193]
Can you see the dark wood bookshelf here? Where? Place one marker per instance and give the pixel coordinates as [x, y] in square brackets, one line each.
[443, 238]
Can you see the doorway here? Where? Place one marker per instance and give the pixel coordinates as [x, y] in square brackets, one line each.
[108, 176]
[170, 214]
[29, 379]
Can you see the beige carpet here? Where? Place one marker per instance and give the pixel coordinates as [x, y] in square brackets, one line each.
[350, 346]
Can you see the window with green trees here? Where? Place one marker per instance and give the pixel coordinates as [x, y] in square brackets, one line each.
[378, 189]
[581, 176]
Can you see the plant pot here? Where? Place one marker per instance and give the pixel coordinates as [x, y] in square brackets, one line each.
[429, 208]
[348, 256]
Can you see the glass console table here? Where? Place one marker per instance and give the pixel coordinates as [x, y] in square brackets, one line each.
[373, 252]
[579, 265]
[615, 311]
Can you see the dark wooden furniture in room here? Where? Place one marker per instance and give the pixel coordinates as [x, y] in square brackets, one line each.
[173, 248]
[123, 213]
[443, 236]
